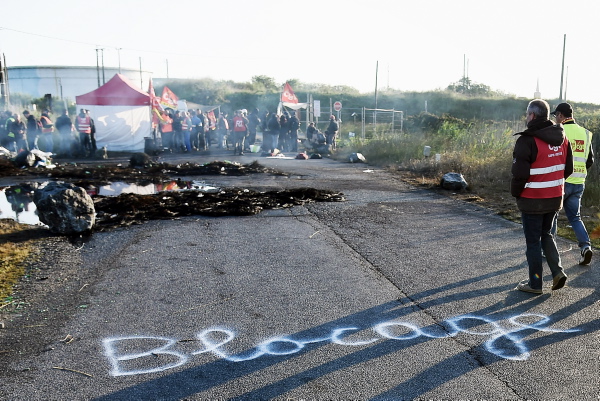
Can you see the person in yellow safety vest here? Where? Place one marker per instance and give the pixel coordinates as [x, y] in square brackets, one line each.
[83, 125]
[9, 139]
[583, 158]
[47, 130]
[542, 160]
[17, 134]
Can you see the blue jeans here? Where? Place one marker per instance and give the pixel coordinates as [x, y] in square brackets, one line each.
[538, 236]
[186, 140]
[572, 206]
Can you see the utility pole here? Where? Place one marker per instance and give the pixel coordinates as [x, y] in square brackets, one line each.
[97, 67]
[376, 73]
[103, 78]
[375, 111]
[141, 76]
[562, 71]
[119, 55]
[566, 83]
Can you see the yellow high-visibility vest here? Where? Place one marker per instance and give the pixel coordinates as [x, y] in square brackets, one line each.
[580, 139]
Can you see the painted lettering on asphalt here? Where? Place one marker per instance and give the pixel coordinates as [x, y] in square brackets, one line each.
[503, 340]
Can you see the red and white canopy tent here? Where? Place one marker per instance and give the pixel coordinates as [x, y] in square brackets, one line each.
[121, 113]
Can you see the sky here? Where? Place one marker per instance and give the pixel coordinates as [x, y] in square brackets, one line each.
[417, 45]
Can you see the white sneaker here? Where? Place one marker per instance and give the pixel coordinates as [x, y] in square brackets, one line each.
[586, 256]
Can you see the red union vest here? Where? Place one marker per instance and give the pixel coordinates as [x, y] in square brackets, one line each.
[547, 172]
[84, 124]
[239, 124]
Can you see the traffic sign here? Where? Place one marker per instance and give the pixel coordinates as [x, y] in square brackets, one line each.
[337, 106]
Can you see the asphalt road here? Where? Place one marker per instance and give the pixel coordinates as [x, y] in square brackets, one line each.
[396, 293]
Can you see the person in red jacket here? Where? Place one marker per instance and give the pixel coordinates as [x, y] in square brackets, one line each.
[542, 160]
[239, 131]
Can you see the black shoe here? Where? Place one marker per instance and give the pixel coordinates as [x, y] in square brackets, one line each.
[586, 256]
[559, 281]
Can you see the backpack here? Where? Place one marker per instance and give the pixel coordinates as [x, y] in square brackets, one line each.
[39, 125]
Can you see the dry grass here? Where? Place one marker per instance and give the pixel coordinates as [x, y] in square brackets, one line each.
[15, 249]
[489, 185]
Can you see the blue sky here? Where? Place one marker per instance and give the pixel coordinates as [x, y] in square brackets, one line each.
[420, 45]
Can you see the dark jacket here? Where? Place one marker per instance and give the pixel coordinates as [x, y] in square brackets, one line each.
[32, 126]
[525, 153]
[253, 121]
[63, 124]
[333, 127]
[273, 124]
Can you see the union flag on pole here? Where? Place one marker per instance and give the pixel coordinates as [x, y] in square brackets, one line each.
[168, 99]
[288, 94]
[155, 101]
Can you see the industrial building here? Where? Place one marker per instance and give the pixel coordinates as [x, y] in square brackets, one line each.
[66, 82]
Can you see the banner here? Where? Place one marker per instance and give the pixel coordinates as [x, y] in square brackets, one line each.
[288, 94]
[317, 108]
[169, 99]
[156, 106]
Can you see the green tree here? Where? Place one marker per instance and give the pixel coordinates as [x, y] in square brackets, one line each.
[264, 84]
[468, 87]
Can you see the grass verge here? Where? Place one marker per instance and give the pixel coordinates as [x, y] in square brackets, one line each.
[15, 249]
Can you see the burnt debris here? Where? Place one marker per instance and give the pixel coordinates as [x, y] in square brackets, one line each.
[127, 209]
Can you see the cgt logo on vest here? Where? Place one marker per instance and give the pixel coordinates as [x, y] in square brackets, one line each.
[578, 145]
[556, 150]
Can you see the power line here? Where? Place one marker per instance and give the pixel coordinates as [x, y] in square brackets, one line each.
[96, 45]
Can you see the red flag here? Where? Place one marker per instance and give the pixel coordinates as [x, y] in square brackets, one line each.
[156, 106]
[169, 99]
[288, 94]
[151, 89]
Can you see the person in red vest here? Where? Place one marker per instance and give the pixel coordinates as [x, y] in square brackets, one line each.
[240, 128]
[83, 125]
[542, 160]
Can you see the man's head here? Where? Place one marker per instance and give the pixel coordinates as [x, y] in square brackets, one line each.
[562, 112]
[26, 113]
[538, 108]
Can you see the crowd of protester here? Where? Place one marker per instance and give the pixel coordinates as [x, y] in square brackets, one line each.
[175, 131]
